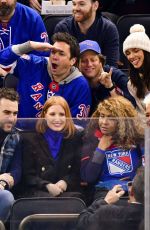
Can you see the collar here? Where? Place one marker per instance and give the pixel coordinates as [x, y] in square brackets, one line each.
[74, 73]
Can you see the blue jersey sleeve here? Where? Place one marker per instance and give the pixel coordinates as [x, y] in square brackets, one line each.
[8, 57]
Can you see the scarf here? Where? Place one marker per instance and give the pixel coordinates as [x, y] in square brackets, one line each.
[54, 140]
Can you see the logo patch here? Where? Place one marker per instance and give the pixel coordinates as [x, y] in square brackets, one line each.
[119, 161]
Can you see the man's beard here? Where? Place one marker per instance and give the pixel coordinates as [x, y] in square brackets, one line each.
[4, 126]
[86, 16]
[6, 10]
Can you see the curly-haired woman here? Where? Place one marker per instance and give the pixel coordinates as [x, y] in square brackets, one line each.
[112, 149]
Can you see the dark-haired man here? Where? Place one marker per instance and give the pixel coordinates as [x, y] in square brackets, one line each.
[10, 149]
[41, 78]
[104, 214]
[88, 23]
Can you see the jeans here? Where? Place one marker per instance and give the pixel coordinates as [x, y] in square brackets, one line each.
[6, 202]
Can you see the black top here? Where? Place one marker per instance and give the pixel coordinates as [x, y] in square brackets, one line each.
[3, 135]
[101, 216]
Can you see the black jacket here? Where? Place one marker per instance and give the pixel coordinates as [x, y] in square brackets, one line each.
[39, 167]
[102, 216]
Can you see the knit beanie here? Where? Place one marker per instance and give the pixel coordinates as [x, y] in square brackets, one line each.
[137, 39]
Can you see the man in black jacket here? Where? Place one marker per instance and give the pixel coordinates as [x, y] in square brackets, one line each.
[10, 149]
[104, 214]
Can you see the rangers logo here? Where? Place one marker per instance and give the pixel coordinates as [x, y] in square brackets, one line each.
[119, 161]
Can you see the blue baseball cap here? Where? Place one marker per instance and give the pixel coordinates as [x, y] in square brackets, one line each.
[89, 45]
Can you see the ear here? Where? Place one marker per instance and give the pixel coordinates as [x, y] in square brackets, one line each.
[95, 5]
[73, 61]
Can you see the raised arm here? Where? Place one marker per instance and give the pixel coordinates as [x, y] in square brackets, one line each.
[11, 54]
[91, 164]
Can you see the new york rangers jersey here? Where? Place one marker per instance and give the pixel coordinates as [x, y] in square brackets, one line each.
[26, 24]
[34, 85]
[106, 168]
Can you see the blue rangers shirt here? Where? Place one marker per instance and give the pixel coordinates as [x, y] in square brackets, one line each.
[34, 85]
[26, 24]
[116, 165]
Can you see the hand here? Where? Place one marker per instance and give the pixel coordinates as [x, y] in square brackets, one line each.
[114, 194]
[105, 142]
[105, 79]
[62, 185]
[53, 189]
[41, 46]
[3, 73]
[35, 5]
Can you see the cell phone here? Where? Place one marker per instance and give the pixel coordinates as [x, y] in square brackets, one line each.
[124, 187]
[130, 183]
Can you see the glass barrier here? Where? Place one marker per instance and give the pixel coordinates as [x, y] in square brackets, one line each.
[68, 164]
[147, 178]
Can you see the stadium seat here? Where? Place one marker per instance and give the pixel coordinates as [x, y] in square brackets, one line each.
[56, 221]
[29, 206]
[10, 81]
[50, 22]
[2, 227]
[124, 23]
[112, 17]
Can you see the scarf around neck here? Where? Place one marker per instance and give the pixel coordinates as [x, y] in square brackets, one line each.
[54, 140]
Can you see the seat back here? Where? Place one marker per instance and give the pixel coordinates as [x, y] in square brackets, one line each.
[29, 206]
[50, 22]
[10, 81]
[49, 221]
[112, 17]
[2, 227]
[124, 23]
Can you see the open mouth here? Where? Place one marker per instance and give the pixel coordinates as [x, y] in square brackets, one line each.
[54, 66]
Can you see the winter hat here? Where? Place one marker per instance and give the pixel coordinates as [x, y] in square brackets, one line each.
[137, 39]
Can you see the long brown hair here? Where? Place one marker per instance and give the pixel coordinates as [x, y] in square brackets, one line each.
[41, 125]
[140, 78]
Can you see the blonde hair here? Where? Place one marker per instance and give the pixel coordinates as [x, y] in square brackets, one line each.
[128, 130]
[41, 125]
